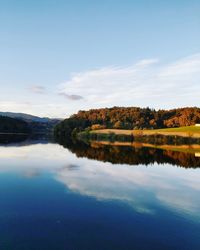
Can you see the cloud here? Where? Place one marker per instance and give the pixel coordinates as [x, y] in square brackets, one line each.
[36, 107]
[186, 66]
[146, 83]
[71, 97]
[37, 89]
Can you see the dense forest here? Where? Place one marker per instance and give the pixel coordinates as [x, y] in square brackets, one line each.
[128, 118]
[11, 125]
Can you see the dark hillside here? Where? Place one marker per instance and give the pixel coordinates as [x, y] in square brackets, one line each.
[11, 125]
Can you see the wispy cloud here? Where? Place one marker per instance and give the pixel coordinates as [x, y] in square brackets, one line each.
[38, 108]
[71, 97]
[146, 83]
[37, 89]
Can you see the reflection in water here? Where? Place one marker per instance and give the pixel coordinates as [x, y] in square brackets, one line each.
[132, 155]
[24, 139]
[172, 186]
[72, 200]
[142, 188]
[12, 138]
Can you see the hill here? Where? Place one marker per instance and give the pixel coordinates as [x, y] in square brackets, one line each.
[11, 125]
[26, 117]
[36, 124]
[131, 118]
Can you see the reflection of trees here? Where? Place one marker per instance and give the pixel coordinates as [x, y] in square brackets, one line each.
[22, 139]
[183, 159]
[131, 155]
[12, 138]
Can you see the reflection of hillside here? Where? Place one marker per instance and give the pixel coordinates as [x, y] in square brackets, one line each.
[24, 140]
[183, 159]
[12, 138]
[132, 155]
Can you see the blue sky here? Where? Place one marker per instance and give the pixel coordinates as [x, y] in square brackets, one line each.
[57, 57]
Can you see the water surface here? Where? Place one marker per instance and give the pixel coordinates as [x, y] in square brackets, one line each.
[84, 197]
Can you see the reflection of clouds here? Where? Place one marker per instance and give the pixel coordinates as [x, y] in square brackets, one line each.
[180, 201]
[104, 183]
[7, 154]
[139, 186]
[37, 157]
[71, 167]
[31, 173]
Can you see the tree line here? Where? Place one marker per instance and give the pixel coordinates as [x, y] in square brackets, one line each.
[128, 118]
[20, 125]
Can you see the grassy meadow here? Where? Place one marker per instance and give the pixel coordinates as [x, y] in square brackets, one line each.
[188, 131]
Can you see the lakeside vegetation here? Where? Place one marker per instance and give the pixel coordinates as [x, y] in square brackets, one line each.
[154, 139]
[171, 136]
[162, 127]
[133, 118]
[182, 131]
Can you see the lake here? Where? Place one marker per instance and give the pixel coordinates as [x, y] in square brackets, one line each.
[81, 196]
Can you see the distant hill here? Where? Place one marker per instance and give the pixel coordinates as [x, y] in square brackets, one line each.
[36, 124]
[12, 125]
[27, 117]
[128, 118]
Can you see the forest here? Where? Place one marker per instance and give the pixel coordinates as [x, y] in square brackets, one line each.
[11, 125]
[128, 118]
[24, 123]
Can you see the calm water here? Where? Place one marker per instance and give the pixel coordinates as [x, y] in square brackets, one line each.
[86, 197]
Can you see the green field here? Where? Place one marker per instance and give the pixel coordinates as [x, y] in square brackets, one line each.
[189, 131]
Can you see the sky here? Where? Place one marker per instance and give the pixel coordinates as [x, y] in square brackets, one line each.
[58, 56]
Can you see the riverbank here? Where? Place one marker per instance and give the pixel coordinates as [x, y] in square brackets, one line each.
[174, 136]
[193, 149]
[189, 131]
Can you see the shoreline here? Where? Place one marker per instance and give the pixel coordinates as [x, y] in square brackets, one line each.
[193, 148]
[195, 133]
[13, 133]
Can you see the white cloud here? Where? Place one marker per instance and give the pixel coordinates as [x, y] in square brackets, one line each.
[72, 97]
[35, 107]
[183, 67]
[145, 83]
